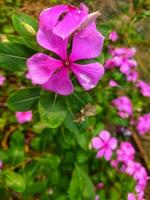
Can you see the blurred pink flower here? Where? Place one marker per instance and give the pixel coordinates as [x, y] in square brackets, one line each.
[113, 83]
[131, 196]
[97, 197]
[144, 88]
[143, 124]
[132, 76]
[113, 36]
[125, 152]
[123, 105]
[104, 143]
[2, 79]
[1, 164]
[23, 117]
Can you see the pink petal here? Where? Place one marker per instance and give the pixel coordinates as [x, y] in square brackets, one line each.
[52, 42]
[87, 44]
[112, 143]
[60, 83]
[49, 17]
[97, 143]
[100, 153]
[73, 19]
[41, 67]
[104, 135]
[108, 154]
[88, 75]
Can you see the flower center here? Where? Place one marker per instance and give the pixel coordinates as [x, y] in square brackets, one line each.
[66, 63]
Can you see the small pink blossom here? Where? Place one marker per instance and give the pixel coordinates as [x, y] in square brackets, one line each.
[143, 124]
[123, 105]
[97, 197]
[125, 152]
[113, 83]
[144, 88]
[1, 164]
[113, 36]
[2, 79]
[105, 144]
[23, 117]
[131, 196]
[132, 76]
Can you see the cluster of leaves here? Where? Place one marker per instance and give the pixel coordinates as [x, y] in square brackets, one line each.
[51, 157]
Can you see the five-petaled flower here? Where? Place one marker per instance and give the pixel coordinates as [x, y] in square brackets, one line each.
[53, 74]
[105, 144]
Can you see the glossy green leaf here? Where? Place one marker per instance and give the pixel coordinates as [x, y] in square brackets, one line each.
[52, 110]
[13, 56]
[24, 99]
[81, 186]
[27, 27]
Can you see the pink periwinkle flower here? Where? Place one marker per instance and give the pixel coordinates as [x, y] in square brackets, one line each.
[1, 164]
[105, 144]
[54, 74]
[113, 36]
[2, 79]
[123, 105]
[143, 124]
[23, 117]
[131, 196]
[97, 197]
[113, 83]
[122, 58]
[132, 76]
[144, 88]
[125, 152]
[139, 173]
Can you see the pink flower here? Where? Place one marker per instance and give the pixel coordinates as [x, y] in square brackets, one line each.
[143, 124]
[53, 74]
[2, 79]
[131, 196]
[113, 83]
[1, 164]
[104, 143]
[23, 117]
[97, 197]
[144, 88]
[113, 36]
[125, 152]
[123, 105]
[132, 76]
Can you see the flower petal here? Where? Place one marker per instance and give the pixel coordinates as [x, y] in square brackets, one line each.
[104, 135]
[52, 42]
[60, 83]
[87, 43]
[112, 143]
[48, 17]
[100, 153]
[108, 154]
[97, 143]
[88, 75]
[73, 19]
[41, 67]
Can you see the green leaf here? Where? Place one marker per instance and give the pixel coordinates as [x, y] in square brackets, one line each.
[27, 27]
[13, 56]
[24, 99]
[49, 160]
[52, 110]
[14, 181]
[81, 186]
